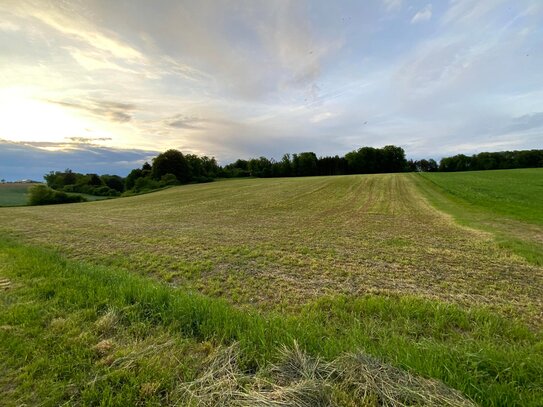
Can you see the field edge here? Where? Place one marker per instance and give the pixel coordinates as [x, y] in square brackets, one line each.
[508, 235]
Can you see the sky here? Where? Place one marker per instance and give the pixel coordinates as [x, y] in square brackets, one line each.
[102, 86]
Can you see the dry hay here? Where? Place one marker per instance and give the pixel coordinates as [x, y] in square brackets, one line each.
[300, 380]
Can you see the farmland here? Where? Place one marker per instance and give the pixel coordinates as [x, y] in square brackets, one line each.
[383, 263]
[15, 194]
[506, 203]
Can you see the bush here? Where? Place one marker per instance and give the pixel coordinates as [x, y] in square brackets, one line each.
[104, 191]
[200, 180]
[169, 179]
[43, 195]
[113, 182]
[146, 184]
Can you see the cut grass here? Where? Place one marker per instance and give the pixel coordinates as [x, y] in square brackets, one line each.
[280, 243]
[84, 334]
[299, 380]
[339, 264]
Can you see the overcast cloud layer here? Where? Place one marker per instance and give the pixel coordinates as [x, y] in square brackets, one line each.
[112, 82]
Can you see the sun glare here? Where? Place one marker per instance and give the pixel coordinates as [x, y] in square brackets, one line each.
[28, 118]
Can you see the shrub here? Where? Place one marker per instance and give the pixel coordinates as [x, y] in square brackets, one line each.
[43, 195]
[202, 179]
[104, 191]
[146, 184]
[169, 179]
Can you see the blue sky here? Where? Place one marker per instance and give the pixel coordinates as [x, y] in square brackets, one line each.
[112, 83]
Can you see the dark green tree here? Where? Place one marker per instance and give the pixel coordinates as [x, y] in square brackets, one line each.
[260, 167]
[171, 162]
[113, 181]
[307, 164]
[392, 159]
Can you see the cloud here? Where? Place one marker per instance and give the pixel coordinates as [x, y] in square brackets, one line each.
[433, 67]
[184, 122]
[63, 19]
[264, 78]
[9, 26]
[113, 111]
[468, 11]
[422, 15]
[95, 60]
[322, 117]
[482, 145]
[250, 50]
[70, 143]
[526, 122]
[88, 140]
[20, 160]
[393, 5]
[253, 51]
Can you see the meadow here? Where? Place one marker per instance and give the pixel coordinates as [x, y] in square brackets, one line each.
[378, 268]
[507, 203]
[15, 194]
[515, 194]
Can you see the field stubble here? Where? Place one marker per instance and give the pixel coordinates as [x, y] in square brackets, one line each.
[280, 243]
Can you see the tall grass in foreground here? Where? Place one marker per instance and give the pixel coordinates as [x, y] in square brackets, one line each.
[46, 342]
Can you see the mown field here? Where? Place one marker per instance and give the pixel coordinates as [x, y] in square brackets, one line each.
[339, 264]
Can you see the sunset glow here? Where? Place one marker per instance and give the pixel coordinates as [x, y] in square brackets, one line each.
[240, 80]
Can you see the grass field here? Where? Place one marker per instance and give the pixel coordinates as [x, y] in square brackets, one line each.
[14, 194]
[507, 203]
[515, 194]
[341, 264]
[17, 194]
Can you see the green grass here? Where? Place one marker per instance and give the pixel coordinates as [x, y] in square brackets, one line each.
[14, 194]
[279, 243]
[507, 203]
[71, 332]
[336, 263]
[516, 194]
[17, 194]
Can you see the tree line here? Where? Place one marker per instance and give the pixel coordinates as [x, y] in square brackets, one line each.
[91, 184]
[502, 160]
[172, 167]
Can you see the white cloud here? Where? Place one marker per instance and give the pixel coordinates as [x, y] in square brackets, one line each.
[469, 11]
[80, 29]
[436, 66]
[422, 15]
[9, 26]
[393, 5]
[322, 117]
[242, 78]
[93, 60]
